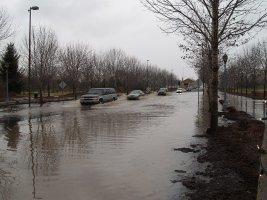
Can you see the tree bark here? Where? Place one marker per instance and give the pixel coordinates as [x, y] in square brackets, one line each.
[48, 89]
[74, 91]
[41, 96]
[215, 67]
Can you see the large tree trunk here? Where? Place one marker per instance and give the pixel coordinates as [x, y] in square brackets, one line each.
[215, 67]
[214, 95]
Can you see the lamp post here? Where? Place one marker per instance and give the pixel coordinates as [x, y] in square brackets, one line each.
[265, 71]
[29, 67]
[225, 103]
[147, 74]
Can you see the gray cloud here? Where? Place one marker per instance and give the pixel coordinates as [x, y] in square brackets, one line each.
[104, 24]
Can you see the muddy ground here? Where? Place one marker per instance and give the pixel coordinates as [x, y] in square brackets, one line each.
[233, 161]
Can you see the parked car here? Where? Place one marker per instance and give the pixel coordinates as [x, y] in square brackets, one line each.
[179, 90]
[162, 91]
[99, 95]
[135, 95]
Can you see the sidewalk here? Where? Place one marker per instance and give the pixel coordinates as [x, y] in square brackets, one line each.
[262, 188]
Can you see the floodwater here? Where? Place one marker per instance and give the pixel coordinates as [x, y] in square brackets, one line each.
[118, 150]
[256, 108]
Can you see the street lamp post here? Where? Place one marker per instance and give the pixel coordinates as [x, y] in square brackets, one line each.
[29, 67]
[265, 71]
[147, 74]
[225, 103]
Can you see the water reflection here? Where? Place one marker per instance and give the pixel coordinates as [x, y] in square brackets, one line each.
[10, 129]
[32, 160]
[264, 110]
[256, 108]
[12, 132]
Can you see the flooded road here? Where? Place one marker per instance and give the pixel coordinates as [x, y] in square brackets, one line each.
[118, 150]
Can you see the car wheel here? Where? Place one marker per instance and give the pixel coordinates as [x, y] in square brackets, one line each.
[114, 99]
[101, 101]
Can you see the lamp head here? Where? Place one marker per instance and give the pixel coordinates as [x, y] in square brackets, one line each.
[34, 8]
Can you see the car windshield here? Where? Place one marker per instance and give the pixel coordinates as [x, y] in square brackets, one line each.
[162, 89]
[135, 92]
[96, 91]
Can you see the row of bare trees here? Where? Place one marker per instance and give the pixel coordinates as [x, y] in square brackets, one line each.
[212, 25]
[247, 71]
[81, 68]
[5, 32]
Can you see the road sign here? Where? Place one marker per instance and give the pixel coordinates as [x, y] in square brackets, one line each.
[62, 85]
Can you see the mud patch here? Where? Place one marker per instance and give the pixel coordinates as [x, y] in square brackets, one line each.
[234, 161]
[187, 150]
[179, 171]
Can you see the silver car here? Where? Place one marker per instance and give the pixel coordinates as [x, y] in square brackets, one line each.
[135, 95]
[99, 95]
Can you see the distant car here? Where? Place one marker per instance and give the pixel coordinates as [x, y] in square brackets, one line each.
[135, 95]
[179, 90]
[99, 95]
[162, 91]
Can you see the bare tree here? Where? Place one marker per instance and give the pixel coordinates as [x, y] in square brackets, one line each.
[44, 57]
[89, 70]
[219, 22]
[5, 25]
[73, 58]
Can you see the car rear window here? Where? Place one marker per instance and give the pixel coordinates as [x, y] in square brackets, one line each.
[96, 91]
[112, 91]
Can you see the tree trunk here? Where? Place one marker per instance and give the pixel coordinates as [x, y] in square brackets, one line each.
[241, 84]
[48, 89]
[215, 67]
[246, 85]
[214, 98]
[254, 82]
[41, 96]
[264, 84]
[74, 91]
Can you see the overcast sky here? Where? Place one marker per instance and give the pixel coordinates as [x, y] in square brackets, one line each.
[103, 24]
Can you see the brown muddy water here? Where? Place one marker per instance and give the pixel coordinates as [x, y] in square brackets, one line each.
[119, 150]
